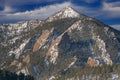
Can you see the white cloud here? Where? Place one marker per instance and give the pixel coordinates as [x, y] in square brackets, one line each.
[93, 12]
[117, 26]
[7, 9]
[111, 6]
[111, 9]
[107, 10]
[39, 13]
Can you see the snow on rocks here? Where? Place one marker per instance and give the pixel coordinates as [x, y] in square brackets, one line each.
[101, 45]
[77, 26]
[24, 71]
[65, 13]
[19, 50]
[20, 27]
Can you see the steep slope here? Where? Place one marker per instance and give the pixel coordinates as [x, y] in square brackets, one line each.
[13, 39]
[65, 41]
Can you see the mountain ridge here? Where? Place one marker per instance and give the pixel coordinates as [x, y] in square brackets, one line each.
[59, 44]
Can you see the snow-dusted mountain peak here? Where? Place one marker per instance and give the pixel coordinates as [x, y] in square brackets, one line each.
[70, 12]
[67, 12]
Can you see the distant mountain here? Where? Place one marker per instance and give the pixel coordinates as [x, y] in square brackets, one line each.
[62, 44]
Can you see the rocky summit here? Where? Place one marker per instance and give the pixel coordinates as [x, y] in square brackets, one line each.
[53, 48]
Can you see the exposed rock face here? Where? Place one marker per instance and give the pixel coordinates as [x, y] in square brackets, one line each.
[66, 40]
[41, 40]
[26, 59]
[91, 62]
[14, 63]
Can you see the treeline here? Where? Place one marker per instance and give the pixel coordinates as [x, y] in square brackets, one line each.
[6, 75]
[104, 72]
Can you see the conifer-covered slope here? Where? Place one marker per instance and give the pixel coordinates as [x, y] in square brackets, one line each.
[64, 42]
[6, 75]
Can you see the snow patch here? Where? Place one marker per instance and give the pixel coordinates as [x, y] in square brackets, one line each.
[20, 27]
[52, 78]
[19, 50]
[115, 77]
[102, 47]
[52, 53]
[76, 25]
[13, 40]
[72, 63]
[24, 71]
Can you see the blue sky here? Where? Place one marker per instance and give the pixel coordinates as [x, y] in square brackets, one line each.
[107, 11]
